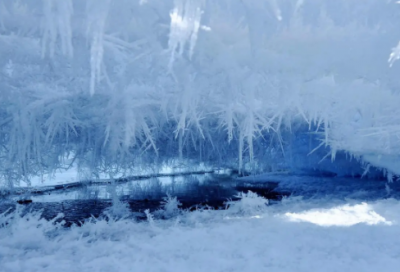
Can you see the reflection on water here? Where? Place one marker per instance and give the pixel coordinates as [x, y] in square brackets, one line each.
[207, 186]
[194, 186]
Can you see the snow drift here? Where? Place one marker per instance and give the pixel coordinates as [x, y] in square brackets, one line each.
[291, 236]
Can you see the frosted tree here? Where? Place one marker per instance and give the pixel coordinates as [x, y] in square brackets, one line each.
[119, 84]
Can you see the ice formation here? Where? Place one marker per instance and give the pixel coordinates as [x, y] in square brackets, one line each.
[118, 83]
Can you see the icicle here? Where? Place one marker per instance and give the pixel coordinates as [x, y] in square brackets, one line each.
[296, 21]
[326, 131]
[277, 10]
[185, 25]
[241, 143]
[181, 146]
[395, 55]
[96, 57]
[249, 133]
[57, 22]
[50, 30]
[97, 11]
[229, 122]
[366, 171]
[333, 152]
[64, 14]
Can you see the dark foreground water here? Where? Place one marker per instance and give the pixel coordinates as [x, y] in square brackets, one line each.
[81, 201]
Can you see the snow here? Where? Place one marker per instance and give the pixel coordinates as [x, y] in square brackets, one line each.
[281, 237]
[345, 215]
[341, 226]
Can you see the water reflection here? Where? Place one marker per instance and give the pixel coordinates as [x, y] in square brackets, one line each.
[202, 186]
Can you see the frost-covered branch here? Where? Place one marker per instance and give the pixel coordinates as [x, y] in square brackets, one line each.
[117, 83]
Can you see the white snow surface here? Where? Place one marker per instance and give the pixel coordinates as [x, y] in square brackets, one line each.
[295, 235]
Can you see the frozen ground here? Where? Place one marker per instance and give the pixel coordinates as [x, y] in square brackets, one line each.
[342, 231]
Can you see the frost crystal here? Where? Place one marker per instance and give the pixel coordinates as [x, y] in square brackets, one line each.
[184, 28]
[57, 23]
[97, 16]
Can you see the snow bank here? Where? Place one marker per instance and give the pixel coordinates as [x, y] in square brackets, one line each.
[248, 239]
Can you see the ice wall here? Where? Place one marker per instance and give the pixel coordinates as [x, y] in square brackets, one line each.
[119, 83]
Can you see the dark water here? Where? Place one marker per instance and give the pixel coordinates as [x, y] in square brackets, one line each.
[81, 201]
